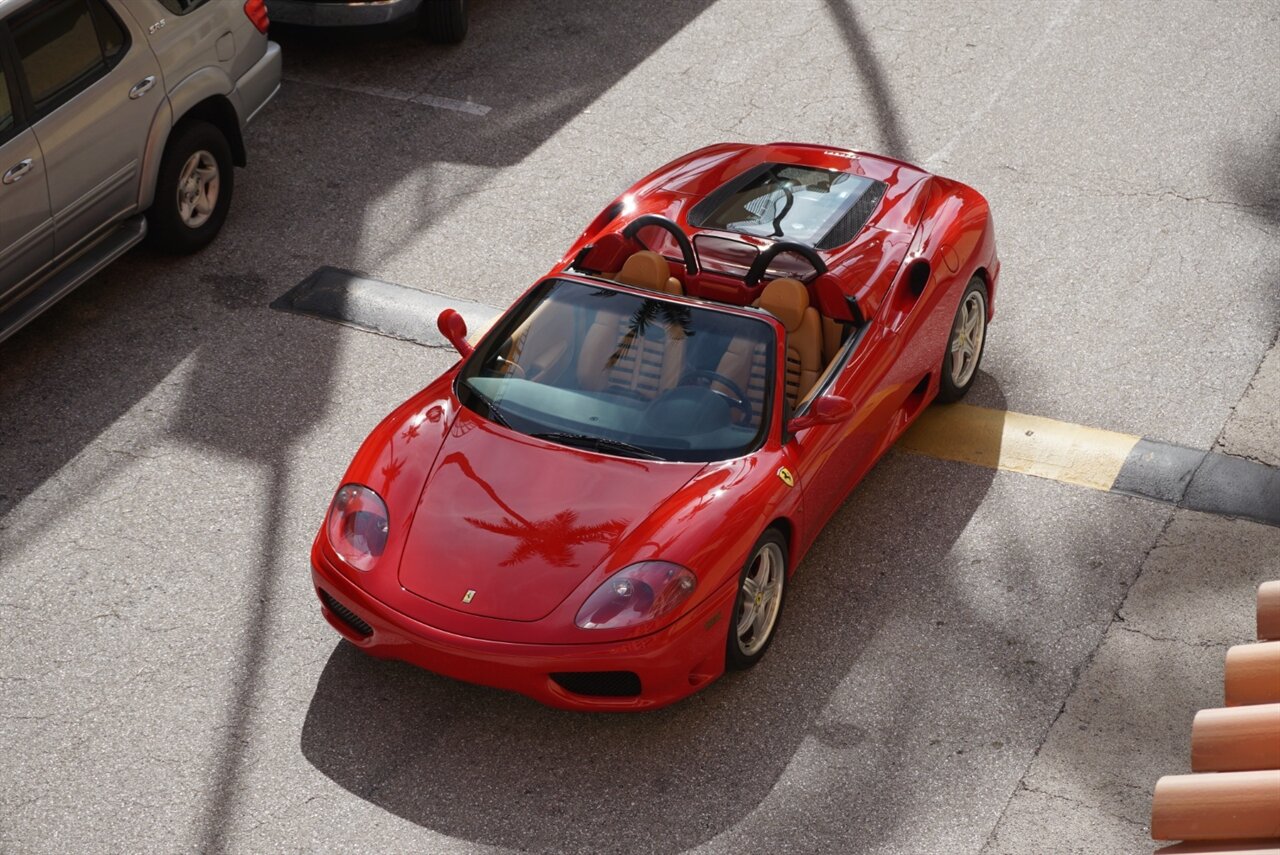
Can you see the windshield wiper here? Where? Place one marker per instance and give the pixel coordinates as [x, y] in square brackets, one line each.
[494, 411]
[599, 443]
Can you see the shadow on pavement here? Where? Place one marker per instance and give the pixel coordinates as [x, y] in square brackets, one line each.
[499, 769]
[1255, 188]
[863, 56]
[322, 165]
[249, 384]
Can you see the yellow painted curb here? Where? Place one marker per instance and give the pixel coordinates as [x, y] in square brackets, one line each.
[1031, 445]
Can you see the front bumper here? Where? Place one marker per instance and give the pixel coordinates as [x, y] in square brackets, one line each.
[671, 664]
[349, 14]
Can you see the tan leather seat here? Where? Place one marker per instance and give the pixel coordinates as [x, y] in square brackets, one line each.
[648, 269]
[616, 354]
[788, 301]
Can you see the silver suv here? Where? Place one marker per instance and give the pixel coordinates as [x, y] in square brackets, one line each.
[119, 117]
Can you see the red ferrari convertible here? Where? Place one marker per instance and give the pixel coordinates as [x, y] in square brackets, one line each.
[601, 505]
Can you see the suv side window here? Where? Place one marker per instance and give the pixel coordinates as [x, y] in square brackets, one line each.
[65, 46]
[182, 7]
[6, 108]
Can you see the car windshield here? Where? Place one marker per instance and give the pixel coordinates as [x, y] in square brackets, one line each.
[610, 371]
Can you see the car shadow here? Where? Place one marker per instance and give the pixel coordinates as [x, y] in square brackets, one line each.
[499, 769]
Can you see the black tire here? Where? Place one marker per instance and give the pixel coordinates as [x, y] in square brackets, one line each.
[167, 231]
[443, 21]
[948, 389]
[740, 655]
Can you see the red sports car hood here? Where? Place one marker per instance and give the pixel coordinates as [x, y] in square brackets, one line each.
[507, 526]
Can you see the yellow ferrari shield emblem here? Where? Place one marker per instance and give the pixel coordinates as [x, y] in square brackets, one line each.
[466, 598]
[787, 478]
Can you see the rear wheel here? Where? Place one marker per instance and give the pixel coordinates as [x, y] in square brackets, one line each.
[193, 189]
[443, 21]
[964, 348]
[761, 586]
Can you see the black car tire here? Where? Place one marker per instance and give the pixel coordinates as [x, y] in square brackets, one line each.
[167, 231]
[948, 389]
[741, 653]
[443, 21]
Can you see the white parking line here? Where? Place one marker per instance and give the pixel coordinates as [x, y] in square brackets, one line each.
[427, 100]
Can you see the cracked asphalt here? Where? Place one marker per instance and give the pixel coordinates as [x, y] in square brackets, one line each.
[971, 661]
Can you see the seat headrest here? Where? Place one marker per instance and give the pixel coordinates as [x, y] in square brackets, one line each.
[645, 269]
[786, 300]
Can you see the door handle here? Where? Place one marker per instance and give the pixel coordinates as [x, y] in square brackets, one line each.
[15, 174]
[142, 87]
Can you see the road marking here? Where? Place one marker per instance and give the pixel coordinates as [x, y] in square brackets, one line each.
[1205, 481]
[1030, 445]
[423, 98]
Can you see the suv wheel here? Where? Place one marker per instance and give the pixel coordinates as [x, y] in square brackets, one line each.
[444, 21]
[193, 190]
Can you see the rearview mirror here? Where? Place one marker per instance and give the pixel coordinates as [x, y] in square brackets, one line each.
[454, 328]
[827, 410]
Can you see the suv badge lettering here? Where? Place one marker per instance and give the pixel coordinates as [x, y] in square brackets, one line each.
[158, 25]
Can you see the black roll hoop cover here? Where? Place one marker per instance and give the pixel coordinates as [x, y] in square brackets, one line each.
[761, 264]
[686, 248]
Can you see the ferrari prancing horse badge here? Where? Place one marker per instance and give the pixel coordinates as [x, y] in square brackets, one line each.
[466, 598]
[787, 478]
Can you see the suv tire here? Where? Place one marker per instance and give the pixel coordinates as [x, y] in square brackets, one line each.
[443, 21]
[196, 166]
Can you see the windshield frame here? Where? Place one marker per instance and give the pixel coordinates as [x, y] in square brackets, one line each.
[474, 401]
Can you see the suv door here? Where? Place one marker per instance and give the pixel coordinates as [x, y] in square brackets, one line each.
[91, 86]
[26, 229]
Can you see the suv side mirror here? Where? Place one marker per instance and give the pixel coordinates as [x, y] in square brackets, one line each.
[454, 328]
[827, 410]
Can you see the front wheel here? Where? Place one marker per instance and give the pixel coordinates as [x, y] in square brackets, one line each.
[443, 21]
[193, 189]
[761, 586]
[964, 348]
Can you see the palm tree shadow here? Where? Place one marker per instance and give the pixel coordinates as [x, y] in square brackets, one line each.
[551, 539]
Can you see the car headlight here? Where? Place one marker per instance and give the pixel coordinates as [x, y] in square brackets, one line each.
[357, 526]
[637, 594]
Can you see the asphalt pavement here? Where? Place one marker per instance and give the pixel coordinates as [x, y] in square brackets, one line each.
[970, 661]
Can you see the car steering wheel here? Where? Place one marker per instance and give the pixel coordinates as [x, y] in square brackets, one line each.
[512, 369]
[741, 402]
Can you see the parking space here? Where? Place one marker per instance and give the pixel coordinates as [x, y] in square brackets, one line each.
[953, 644]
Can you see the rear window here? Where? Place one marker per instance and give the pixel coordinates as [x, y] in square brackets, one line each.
[820, 207]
